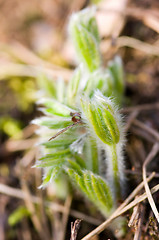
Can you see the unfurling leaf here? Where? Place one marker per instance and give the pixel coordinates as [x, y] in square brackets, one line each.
[84, 33]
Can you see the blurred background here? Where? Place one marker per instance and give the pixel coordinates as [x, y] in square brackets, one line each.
[34, 39]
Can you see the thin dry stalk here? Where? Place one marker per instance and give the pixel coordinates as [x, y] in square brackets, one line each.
[115, 215]
[29, 130]
[57, 226]
[125, 41]
[134, 172]
[143, 107]
[135, 192]
[26, 233]
[139, 224]
[19, 145]
[31, 208]
[134, 216]
[145, 135]
[65, 216]
[27, 56]
[28, 157]
[16, 69]
[17, 193]
[131, 118]
[41, 207]
[149, 158]
[152, 131]
[74, 229]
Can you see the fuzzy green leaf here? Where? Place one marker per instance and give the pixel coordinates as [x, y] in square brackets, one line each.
[111, 123]
[84, 31]
[95, 188]
[76, 178]
[102, 191]
[96, 120]
[73, 87]
[56, 108]
[86, 18]
[101, 80]
[53, 123]
[54, 159]
[80, 160]
[52, 173]
[75, 166]
[51, 163]
[56, 155]
[93, 28]
[88, 184]
[87, 48]
[91, 154]
[59, 143]
[102, 118]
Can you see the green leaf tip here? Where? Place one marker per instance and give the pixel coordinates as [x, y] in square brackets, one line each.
[102, 118]
[54, 107]
[84, 32]
[50, 174]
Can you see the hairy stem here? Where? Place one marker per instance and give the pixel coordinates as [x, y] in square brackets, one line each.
[113, 169]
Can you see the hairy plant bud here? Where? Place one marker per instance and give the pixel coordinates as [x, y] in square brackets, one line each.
[102, 118]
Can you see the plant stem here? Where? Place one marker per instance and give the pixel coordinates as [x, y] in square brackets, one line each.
[113, 169]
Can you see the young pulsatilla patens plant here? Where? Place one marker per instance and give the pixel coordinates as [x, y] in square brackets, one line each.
[82, 132]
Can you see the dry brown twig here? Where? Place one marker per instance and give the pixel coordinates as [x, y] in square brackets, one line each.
[136, 220]
[34, 65]
[134, 172]
[150, 130]
[142, 107]
[17, 193]
[23, 70]
[142, 134]
[125, 41]
[149, 158]
[19, 145]
[29, 204]
[65, 216]
[131, 118]
[134, 216]
[74, 229]
[139, 224]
